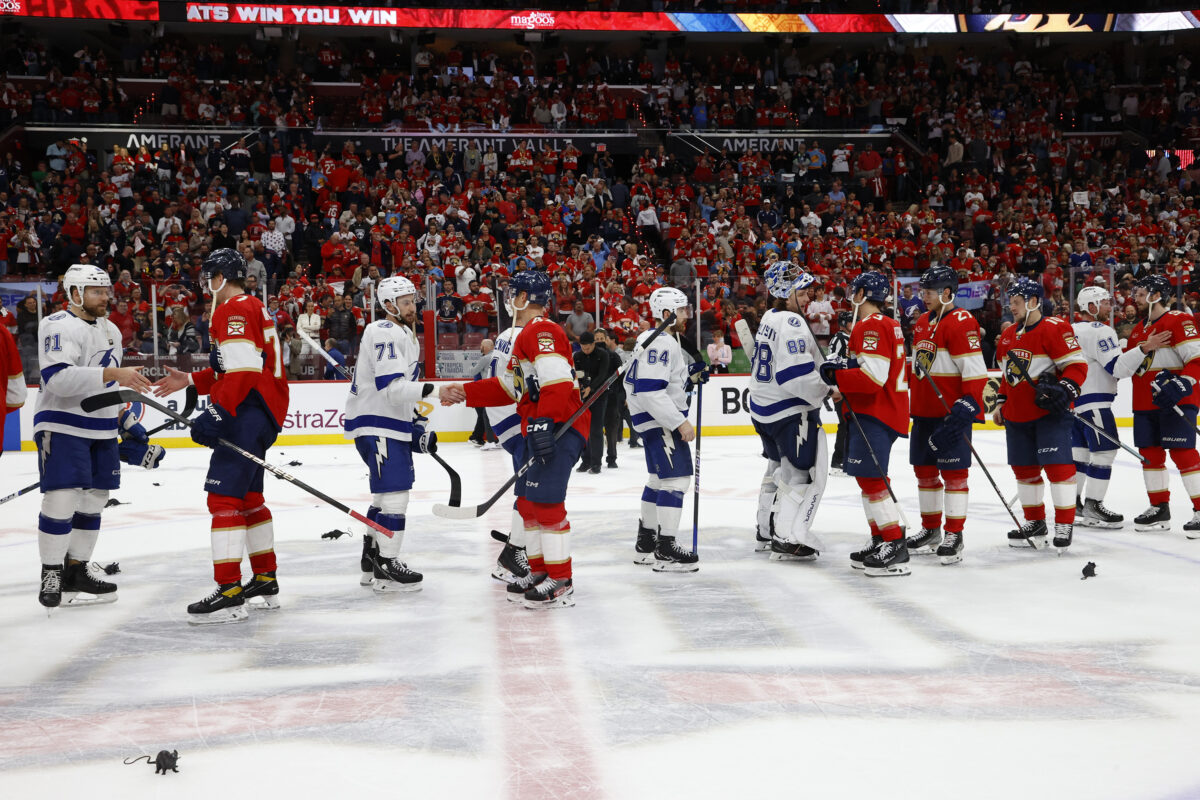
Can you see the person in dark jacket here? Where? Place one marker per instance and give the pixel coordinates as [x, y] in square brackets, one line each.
[593, 364]
[342, 325]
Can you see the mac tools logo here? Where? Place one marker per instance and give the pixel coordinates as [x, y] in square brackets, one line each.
[531, 21]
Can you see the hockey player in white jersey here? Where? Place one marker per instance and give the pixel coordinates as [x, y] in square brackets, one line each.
[1093, 453]
[382, 419]
[786, 392]
[655, 384]
[78, 454]
[512, 563]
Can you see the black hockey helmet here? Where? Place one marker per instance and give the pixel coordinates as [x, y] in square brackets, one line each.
[939, 277]
[226, 262]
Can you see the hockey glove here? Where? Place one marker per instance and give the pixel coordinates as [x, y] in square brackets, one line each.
[141, 454]
[698, 373]
[830, 368]
[208, 424]
[540, 433]
[131, 428]
[423, 440]
[962, 416]
[1170, 388]
[1055, 396]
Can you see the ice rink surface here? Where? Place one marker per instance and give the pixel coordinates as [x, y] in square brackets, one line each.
[1003, 676]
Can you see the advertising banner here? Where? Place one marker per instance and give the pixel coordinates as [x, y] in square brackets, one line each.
[141, 10]
[971, 295]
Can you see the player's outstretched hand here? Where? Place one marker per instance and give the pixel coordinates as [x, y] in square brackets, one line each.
[686, 431]
[451, 393]
[170, 383]
[129, 377]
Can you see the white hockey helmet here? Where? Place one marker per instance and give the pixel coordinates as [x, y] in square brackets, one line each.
[393, 288]
[666, 299]
[81, 276]
[1091, 294]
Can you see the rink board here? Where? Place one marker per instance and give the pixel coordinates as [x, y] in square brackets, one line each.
[315, 414]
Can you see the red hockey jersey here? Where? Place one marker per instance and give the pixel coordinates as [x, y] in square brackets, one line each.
[948, 351]
[543, 376]
[878, 386]
[1048, 346]
[249, 358]
[1181, 356]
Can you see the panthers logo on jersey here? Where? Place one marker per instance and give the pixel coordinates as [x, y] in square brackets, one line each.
[1016, 366]
[1147, 363]
[523, 383]
[991, 393]
[923, 356]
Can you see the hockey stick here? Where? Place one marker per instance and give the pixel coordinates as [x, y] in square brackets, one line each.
[696, 488]
[1100, 431]
[190, 396]
[925, 376]
[474, 512]
[455, 480]
[98, 401]
[857, 424]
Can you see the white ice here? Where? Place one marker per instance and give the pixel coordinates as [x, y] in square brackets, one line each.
[1004, 676]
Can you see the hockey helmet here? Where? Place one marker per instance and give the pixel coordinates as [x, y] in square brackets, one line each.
[1155, 283]
[1089, 295]
[81, 276]
[393, 288]
[226, 262]
[536, 286]
[1027, 288]
[666, 299]
[875, 286]
[784, 277]
[939, 277]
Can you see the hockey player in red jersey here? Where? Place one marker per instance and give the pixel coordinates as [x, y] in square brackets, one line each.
[946, 349]
[547, 395]
[1163, 358]
[248, 400]
[873, 382]
[1035, 417]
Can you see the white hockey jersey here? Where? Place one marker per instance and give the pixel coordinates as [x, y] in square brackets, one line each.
[655, 384]
[385, 390]
[1101, 348]
[72, 359]
[505, 422]
[784, 377]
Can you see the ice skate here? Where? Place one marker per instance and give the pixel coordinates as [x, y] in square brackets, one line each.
[857, 557]
[551, 593]
[1033, 530]
[762, 544]
[511, 564]
[890, 559]
[791, 551]
[1063, 533]
[225, 604]
[950, 550]
[1191, 528]
[1154, 518]
[262, 591]
[393, 575]
[647, 540]
[670, 557]
[366, 563]
[81, 587]
[518, 588]
[50, 591]
[925, 542]
[1095, 515]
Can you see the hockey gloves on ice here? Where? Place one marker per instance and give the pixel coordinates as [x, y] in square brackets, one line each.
[962, 416]
[423, 441]
[1170, 388]
[208, 424]
[1055, 396]
[141, 454]
[540, 434]
[698, 373]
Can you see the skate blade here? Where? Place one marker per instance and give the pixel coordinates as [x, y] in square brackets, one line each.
[950, 560]
[566, 601]
[790, 557]
[1152, 527]
[856, 565]
[222, 617]
[394, 587]
[78, 599]
[366, 579]
[671, 566]
[645, 559]
[504, 575]
[894, 571]
[927, 550]
[1098, 523]
[1192, 534]
[761, 546]
[1060, 549]
[263, 603]
[1024, 544]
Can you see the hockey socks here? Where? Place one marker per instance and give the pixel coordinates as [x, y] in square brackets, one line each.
[650, 504]
[881, 508]
[556, 539]
[956, 499]
[228, 538]
[533, 535]
[1062, 491]
[1031, 492]
[1188, 462]
[260, 533]
[1154, 473]
[929, 496]
[392, 509]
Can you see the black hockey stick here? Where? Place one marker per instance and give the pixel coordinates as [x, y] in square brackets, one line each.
[857, 424]
[922, 374]
[130, 396]
[474, 512]
[696, 488]
[190, 396]
[1099, 431]
[455, 480]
